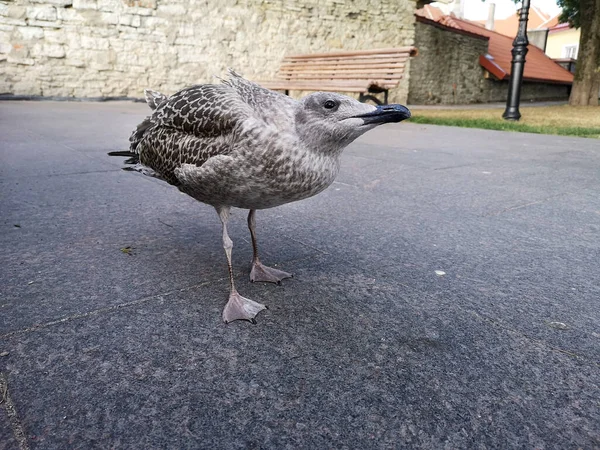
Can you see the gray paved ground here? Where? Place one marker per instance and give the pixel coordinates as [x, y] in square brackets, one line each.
[367, 347]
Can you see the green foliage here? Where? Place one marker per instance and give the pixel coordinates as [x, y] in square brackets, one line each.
[504, 125]
[570, 12]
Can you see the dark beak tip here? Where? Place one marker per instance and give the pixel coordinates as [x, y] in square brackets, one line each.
[386, 114]
[400, 109]
[395, 112]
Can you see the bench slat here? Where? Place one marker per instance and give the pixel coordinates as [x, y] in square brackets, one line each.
[325, 86]
[300, 71]
[340, 76]
[384, 62]
[396, 64]
[409, 50]
[354, 58]
[314, 88]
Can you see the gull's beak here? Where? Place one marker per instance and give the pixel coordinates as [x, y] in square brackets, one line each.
[385, 114]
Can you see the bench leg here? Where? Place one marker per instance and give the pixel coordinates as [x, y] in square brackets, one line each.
[364, 97]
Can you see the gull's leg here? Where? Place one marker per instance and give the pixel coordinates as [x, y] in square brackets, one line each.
[260, 272]
[238, 307]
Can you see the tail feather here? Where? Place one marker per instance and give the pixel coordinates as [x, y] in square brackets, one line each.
[139, 132]
[133, 158]
[122, 153]
[154, 98]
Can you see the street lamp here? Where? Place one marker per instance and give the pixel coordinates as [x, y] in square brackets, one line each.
[517, 65]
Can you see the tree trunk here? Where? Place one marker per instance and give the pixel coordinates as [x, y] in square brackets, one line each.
[586, 85]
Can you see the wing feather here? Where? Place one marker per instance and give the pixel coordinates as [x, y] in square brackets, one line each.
[189, 127]
[166, 149]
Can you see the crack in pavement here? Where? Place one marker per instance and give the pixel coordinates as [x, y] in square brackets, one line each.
[98, 311]
[525, 205]
[13, 418]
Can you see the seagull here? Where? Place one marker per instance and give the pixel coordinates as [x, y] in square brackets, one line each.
[236, 144]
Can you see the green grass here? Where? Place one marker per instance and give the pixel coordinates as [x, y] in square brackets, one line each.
[488, 124]
[582, 121]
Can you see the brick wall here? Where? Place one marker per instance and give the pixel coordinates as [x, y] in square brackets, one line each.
[113, 48]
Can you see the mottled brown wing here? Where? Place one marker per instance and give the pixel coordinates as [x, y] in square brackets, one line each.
[203, 110]
[189, 127]
[165, 149]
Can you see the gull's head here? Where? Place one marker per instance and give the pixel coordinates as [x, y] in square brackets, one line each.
[336, 120]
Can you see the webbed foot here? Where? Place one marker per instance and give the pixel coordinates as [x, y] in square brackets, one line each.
[241, 308]
[267, 274]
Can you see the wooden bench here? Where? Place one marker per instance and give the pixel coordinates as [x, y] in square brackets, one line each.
[365, 72]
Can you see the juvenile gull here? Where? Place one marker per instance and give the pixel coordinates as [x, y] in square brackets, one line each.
[236, 144]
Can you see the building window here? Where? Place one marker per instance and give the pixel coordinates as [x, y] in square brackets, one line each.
[570, 51]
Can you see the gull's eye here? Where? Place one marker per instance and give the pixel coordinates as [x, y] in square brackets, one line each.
[329, 104]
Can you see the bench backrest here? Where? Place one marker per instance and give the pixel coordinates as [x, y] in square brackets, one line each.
[383, 66]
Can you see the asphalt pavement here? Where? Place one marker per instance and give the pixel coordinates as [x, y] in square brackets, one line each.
[446, 295]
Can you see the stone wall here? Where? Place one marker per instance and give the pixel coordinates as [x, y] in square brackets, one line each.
[497, 91]
[115, 48]
[447, 71]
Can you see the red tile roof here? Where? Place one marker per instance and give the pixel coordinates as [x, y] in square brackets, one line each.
[538, 66]
[431, 12]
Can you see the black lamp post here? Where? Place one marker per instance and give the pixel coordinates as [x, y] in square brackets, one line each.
[518, 64]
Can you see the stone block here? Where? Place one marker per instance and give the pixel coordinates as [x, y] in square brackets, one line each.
[36, 51]
[16, 12]
[109, 18]
[154, 22]
[148, 4]
[26, 86]
[54, 50]
[44, 12]
[93, 43]
[6, 36]
[171, 10]
[130, 20]
[8, 23]
[129, 36]
[21, 61]
[5, 47]
[29, 33]
[110, 5]
[186, 41]
[54, 36]
[69, 15]
[137, 69]
[140, 11]
[186, 29]
[45, 23]
[105, 32]
[75, 62]
[85, 4]
[101, 60]
[189, 54]
[62, 3]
